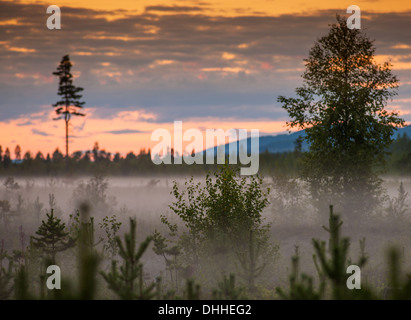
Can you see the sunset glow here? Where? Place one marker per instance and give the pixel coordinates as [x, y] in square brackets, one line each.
[144, 64]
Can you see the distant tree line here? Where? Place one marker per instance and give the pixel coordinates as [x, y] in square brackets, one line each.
[399, 159]
[96, 160]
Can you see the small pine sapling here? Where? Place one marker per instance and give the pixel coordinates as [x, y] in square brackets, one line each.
[251, 261]
[52, 236]
[400, 287]
[228, 290]
[192, 290]
[127, 280]
[87, 260]
[331, 264]
[301, 285]
[22, 284]
[333, 261]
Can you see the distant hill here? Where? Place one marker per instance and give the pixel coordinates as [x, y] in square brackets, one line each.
[286, 142]
[401, 131]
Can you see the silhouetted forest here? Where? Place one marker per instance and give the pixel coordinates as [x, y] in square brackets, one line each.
[100, 161]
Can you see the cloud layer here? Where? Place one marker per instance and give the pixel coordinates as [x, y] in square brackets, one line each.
[175, 62]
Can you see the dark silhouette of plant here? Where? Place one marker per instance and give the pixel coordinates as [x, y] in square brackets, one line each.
[85, 289]
[5, 210]
[331, 263]
[228, 290]
[88, 258]
[81, 228]
[341, 106]
[22, 284]
[111, 228]
[301, 285]
[192, 290]
[6, 274]
[52, 236]
[171, 252]
[399, 285]
[10, 184]
[70, 103]
[127, 279]
[252, 261]
[86, 235]
[397, 206]
[86, 271]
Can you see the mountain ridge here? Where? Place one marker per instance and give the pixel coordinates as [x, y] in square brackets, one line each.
[286, 142]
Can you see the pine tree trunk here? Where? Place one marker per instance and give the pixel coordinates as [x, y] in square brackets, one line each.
[66, 139]
[67, 148]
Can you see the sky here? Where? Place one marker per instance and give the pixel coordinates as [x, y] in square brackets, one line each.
[145, 64]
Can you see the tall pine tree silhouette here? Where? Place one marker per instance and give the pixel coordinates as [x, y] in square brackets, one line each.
[70, 104]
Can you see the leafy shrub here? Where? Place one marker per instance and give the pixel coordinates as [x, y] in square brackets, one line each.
[218, 220]
[111, 227]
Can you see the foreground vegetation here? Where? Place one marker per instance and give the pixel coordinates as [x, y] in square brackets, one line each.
[214, 243]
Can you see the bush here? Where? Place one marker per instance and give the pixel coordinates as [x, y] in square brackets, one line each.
[223, 227]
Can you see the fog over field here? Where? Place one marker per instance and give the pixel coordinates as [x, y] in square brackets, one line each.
[293, 221]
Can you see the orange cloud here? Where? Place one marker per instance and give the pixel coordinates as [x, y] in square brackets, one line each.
[399, 62]
[230, 7]
[16, 49]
